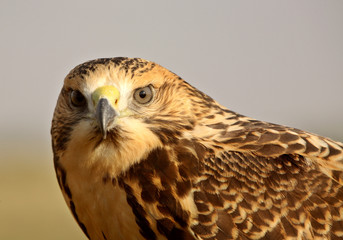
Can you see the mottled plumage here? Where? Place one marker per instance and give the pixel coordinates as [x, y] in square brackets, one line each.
[163, 160]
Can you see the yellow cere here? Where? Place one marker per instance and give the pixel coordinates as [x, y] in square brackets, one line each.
[109, 92]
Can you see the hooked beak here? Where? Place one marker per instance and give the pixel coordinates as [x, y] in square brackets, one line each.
[105, 115]
[105, 100]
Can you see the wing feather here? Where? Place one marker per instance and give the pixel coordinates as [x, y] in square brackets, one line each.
[268, 180]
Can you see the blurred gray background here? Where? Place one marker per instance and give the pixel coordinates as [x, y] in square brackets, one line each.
[278, 61]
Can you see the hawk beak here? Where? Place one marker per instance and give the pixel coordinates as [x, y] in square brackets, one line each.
[105, 114]
[105, 99]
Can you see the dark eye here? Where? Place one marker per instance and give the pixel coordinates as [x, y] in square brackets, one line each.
[143, 95]
[77, 99]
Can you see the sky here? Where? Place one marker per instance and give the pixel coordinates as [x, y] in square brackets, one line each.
[277, 61]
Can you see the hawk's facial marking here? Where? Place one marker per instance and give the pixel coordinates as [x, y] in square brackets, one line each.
[65, 119]
[171, 111]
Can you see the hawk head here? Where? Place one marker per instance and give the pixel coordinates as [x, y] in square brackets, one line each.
[121, 109]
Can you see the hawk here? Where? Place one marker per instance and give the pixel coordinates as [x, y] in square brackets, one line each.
[141, 154]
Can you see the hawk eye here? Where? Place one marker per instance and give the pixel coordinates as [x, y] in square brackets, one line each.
[77, 99]
[143, 95]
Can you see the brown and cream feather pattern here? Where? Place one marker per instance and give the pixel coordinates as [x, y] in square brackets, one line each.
[182, 166]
